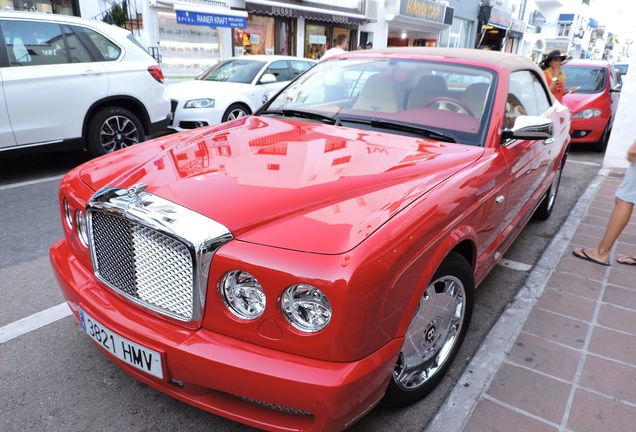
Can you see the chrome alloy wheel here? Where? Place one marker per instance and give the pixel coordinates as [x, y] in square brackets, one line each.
[118, 132]
[432, 334]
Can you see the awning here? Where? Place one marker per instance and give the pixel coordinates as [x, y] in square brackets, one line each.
[566, 18]
[593, 23]
[540, 16]
[201, 15]
[296, 10]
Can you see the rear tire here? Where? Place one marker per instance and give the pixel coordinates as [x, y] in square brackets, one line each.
[435, 334]
[111, 129]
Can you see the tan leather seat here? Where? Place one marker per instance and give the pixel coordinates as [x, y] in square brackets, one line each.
[378, 95]
[475, 97]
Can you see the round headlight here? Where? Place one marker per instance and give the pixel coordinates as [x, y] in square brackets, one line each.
[82, 227]
[68, 216]
[306, 308]
[242, 294]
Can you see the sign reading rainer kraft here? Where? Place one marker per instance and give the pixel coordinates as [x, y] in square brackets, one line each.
[422, 9]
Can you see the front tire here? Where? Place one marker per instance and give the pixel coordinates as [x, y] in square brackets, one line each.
[547, 204]
[111, 129]
[435, 334]
[235, 111]
[601, 145]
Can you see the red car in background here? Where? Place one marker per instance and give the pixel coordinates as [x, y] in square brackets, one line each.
[593, 105]
[293, 268]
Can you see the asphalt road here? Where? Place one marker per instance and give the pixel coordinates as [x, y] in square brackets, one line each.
[53, 378]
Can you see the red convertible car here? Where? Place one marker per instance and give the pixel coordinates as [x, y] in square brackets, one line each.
[293, 268]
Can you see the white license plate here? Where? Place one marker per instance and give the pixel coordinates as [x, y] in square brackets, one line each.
[127, 351]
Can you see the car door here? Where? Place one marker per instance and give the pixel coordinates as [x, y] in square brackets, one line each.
[529, 160]
[50, 82]
[6, 132]
[616, 84]
[280, 69]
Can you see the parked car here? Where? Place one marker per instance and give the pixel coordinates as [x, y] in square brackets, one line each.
[71, 83]
[595, 101]
[621, 67]
[231, 89]
[292, 268]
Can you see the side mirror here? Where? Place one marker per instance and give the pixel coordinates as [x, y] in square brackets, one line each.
[529, 128]
[268, 79]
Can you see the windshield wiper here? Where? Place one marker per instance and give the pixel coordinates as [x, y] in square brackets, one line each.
[305, 114]
[406, 127]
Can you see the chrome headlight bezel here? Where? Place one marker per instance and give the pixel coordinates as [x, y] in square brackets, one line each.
[68, 213]
[82, 227]
[242, 294]
[306, 308]
[199, 103]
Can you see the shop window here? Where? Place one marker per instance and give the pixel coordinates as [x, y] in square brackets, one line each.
[316, 37]
[186, 50]
[256, 38]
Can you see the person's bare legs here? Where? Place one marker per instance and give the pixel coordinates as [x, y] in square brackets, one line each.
[617, 222]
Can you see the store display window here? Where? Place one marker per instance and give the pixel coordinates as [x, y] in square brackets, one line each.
[316, 38]
[263, 35]
[186, 50]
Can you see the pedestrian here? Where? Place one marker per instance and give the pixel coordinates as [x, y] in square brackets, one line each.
[340, 47]
[369, 45]
[554, 74]
[623, 206]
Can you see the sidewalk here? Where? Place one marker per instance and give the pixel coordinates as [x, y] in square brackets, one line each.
[562, 357]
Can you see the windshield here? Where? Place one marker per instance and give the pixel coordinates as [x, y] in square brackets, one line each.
[588, 79]
[415, 97]
[235, 70]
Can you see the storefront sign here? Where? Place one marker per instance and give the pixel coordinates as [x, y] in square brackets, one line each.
[210, 20]
[499, 18]
[423, 10]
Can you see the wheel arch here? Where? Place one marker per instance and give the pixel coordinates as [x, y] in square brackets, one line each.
[462, 240]
[131, 104]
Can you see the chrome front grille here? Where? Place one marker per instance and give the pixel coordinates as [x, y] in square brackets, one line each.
[152, 251]
[144, 264]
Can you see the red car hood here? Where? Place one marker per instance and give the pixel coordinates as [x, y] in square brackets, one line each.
[580, 101]
[295, 185]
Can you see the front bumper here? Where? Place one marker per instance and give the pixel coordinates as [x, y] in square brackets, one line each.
[584, 131]
[192, 118]
[247, 383]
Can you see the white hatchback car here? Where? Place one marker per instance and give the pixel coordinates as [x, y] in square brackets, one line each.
[231, 89]
[68, 82]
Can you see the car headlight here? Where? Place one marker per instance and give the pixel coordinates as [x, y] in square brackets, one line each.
[242, 294]
[199, 103]
[82, 227]
[588, 113]
[306, 308]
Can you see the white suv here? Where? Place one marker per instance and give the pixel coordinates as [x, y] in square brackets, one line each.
[68, 82]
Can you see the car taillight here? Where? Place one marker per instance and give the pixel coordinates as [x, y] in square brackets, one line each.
[156, 73]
